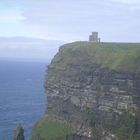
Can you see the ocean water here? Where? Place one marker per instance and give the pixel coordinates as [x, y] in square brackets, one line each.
[22, 96]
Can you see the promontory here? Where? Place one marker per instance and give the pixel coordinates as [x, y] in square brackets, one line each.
[93, 93]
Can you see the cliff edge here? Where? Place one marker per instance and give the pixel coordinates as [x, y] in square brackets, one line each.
[93, 93]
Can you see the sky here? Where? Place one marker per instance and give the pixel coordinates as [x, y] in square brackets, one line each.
[28, 49]
[115, 20]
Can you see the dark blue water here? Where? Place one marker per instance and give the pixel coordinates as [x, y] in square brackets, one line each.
[22, 97]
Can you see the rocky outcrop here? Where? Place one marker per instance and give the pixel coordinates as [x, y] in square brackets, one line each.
[19, 133]
[95, 99]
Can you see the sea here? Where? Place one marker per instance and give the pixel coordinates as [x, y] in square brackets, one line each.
[22, 95]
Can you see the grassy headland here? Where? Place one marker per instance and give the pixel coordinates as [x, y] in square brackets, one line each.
[116, 56]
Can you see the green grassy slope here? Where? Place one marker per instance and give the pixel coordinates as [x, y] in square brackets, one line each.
[116, 56]
[51, 130]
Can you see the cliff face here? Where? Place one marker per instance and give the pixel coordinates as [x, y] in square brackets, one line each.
[93, 90]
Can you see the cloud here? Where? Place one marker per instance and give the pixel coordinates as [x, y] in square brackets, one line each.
[74, 20]
[10, 15]
[127, 1]
[131, 4]
[11, 18]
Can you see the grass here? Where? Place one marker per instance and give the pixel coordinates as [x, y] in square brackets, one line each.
[116, 56]
[52, 130]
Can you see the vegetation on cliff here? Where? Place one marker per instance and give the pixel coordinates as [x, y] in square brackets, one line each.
[116, 56]
[46, 129]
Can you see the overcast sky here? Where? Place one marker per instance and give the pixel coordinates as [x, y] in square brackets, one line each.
[70, 20]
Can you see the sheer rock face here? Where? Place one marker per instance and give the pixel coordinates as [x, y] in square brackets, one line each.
[100, 89]
[98, 102]
[107, 94]
[19, 133]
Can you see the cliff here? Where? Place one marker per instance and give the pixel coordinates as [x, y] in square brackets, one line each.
[93, 93]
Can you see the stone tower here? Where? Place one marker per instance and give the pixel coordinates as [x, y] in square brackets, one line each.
[94, 37]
